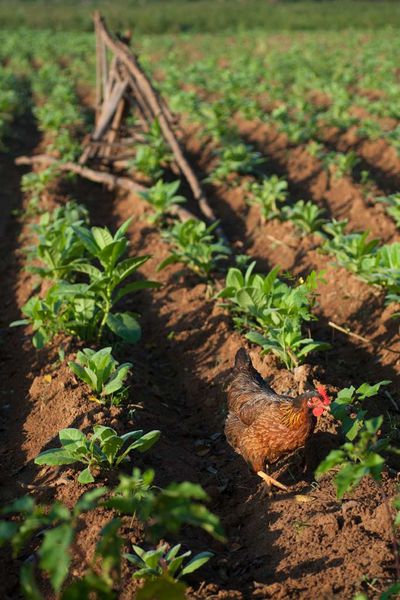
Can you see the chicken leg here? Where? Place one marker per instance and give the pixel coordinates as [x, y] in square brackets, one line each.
[271, 481]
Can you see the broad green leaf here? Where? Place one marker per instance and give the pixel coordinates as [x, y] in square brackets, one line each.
[129, 266]
[102, 236]
[89, 500]
[28, 584]
[125, 326]
[54, 553]
[170, 260]
[111, 447]
[90, 270]
[55, 456]
[367, 391]
[134, 287]
[111, 253]
[234, 278]
[85, 476]
[80, 372]
[197, 561]
[121, 231]
[349, 477]
[19, 323]
[72, 436]
[7, 530]
[145, 442]
[334, 458]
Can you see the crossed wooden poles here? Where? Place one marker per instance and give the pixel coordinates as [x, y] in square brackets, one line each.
[121, 83]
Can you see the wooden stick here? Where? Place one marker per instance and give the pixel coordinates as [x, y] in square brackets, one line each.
[271, 481]
[99, 74]
[104, 120]
[349, 333]
[145, 109]
[115, 125]
[110, 181]
[361, 338]
[103, 59]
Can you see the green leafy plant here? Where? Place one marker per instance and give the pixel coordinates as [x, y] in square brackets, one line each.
[341, 164]
[392, 203]
[166, 509]
[357, 459]
[102, 373]
[152, 564]
[161, 511]
[236, 159]
[35, 184]
[352, 250]
[348, 407]
[58, 247]
[307, 216]
[266, 194]
[272, 313]
[162, 197]
[152, 154]
[85, 309]
[57, 526]
[361, 454]
[195, 246]
[104, 450]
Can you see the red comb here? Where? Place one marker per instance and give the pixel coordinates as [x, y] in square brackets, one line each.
[322, 392]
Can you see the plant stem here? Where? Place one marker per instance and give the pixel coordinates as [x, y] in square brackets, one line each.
[104, 319]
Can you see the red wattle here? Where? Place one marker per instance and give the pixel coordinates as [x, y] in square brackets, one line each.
[317, 411]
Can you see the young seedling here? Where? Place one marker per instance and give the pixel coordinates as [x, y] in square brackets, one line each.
[195, 246]
[152, 154]
[162, 197]
[392, 203]
[164, 509]
[341, 164]
[104, 450]
[306, 216]
[102, 373]
[236, 159]
[272, 313]
[34, 184]
[360, 455]
[266, 195]
[58, 247]
[355, 251]
[54, 529]
[166, 562]
[85, 309]
[357, 459]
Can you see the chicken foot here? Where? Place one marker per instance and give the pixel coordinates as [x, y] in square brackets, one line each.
[271, 481]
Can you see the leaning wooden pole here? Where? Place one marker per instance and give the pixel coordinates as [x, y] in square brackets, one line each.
[111, 181]
[123, 53]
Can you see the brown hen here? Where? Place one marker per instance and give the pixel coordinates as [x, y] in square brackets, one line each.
[264, 426]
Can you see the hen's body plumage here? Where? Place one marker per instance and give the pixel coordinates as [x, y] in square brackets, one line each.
[261, 425]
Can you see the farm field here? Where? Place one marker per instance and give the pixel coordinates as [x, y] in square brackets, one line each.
[126, 320]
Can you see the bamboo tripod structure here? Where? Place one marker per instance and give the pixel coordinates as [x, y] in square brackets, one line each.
[123, 86]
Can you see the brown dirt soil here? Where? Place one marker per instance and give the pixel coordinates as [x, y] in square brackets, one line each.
[278, 547]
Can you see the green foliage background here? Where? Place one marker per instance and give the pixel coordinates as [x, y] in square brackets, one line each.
[160, 16]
